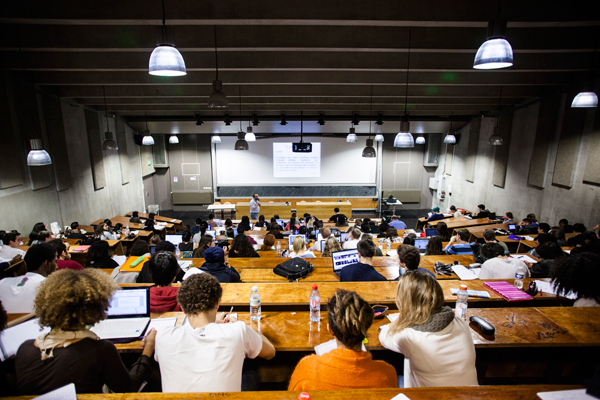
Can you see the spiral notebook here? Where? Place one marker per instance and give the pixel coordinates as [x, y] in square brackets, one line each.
[507, 291]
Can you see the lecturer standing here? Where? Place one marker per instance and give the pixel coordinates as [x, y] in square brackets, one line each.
[254, 207]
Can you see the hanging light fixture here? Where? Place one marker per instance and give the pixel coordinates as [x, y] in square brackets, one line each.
[165, 59]
[420, 139]
[241, 143]
[587, 99]
[351, 138]
[496, 139]
[250, 137]
[38, 156]
[147, 140]
[369, 151]
[379, 137]
[404, 139]
[495, 52]
[217, 98]
[216, 139]
[450, 138]
[109, 143]
[173, 139]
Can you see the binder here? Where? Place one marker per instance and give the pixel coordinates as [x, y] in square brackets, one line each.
[507, 291]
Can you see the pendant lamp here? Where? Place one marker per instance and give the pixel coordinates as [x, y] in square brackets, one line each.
[379, 137]
[404, 139]
[495, 52]
[173, 139]
[351, 138]
[420, 139]
[109, 143]
[250, 137]
[165, 59]
[38, 156]
[147, 140]
[216, 139]
[241, 143]
[369, 151]
[217, 98]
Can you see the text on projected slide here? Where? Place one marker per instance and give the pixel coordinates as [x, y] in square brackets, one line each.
[287, 164]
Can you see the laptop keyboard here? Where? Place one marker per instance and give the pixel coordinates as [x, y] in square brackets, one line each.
[124, 327]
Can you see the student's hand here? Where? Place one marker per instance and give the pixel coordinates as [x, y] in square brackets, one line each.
[227, 261]
[596, 227]
[16, 259]
[529, 264]
[230, 319]
[220, 318]
[149, 341]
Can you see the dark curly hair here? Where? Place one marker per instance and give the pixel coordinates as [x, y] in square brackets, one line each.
[242, 247]
[99, 250]
[199, 293]
[579, 274]
[70, 300]
[349, 317]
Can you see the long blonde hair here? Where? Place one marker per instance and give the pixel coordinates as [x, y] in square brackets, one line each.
[417, 295]
[298, 244]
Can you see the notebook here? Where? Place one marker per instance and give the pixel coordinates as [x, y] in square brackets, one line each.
[128, 315]
[507, 291]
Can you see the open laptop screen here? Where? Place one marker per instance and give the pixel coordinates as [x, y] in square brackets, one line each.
[175, 239]
[421, 244]
[323, 245]
[343, 237]
[129, 303]
[280, 223]
[291, 240]
[212, 233]
[512, 227]
[343, 258]
[430, 232]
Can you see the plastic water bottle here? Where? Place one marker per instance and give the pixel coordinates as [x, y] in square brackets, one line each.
[278, 249]
[255, 304]
[389, 244]
[177, 253]
[381, 246]
[462, 296]
[519, 276]
[127, 229]
[315, 304]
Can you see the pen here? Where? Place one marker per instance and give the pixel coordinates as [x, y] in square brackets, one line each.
[230, 311]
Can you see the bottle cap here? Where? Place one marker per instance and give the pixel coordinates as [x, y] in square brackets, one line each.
[462, 287]
[303, 396]
[255, 288]
[314, 288]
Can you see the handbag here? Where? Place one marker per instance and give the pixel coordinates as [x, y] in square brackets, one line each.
[293, 269]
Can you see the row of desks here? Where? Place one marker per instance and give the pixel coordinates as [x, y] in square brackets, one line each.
[520, 392]
[321, 210]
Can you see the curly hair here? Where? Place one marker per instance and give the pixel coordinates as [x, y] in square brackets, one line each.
[579, 274]
[70, 300]
[331, 245]
[99, 250]
[199, 293]
[349, 317]
[242, 247]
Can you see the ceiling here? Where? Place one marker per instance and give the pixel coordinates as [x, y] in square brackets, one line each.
[314, 56]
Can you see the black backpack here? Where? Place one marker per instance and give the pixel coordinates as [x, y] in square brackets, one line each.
[293, 269]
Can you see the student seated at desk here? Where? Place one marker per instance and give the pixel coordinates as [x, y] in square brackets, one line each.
[578, 229]
[383, 227]
[482, 212]
[212, 224]
[261, 222]
[206, 242]
[396, 223]
[245, 223]
[268, 243]
[410, 239]
[63, 260]
[99, 255]
[409, 258]
[331, 245]
[543, 227]
[292, 225]
[135, 218]
[102, 232]
[348, 366]
[526, 227]
[579, 274]
[437, 346]
[455, 213]
[497, 265]
[588, 243]
[443, 232]
[8, 270]
[42, 237]
[242, 248]
[325, 234]
[550, 253]
[275, 230]
[434, 247]
[10, 249]
[489, 236]
[163, 268]
[559, 233]
[459, 243]
[186, 242]
[352, 239]
[216, 264]
[338, 219]
[146, 277]
[241, 230]
[68, 302]
[139, 248]
[362, 271]
[564, 223]
[37, 228]
[509, 219]
[75, 232]
[299, 249]
[206, 353]
[436, 214]
[18, 293]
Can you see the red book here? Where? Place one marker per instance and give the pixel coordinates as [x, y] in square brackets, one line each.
[507, 291]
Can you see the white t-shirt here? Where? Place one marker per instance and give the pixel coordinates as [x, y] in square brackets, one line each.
[501, 268]
[17, 294]
[434, 359]
[207, 359]
[583, 302]
[350, 244]
[8, 253]
[307, 254]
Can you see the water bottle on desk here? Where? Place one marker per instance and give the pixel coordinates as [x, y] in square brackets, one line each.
[255, 304]
[381, 245]
[389, 244]
[315, 304]
[278, 249]
[519, 276]
[177, 253]
[462, 296]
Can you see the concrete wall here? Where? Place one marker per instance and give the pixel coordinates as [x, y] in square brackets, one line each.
[21, 207]
[550, 203]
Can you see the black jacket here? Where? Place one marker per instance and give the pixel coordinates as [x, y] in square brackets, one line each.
[221, 271]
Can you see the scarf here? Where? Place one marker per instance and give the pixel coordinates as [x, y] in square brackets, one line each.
[438, 321]
[57, 337]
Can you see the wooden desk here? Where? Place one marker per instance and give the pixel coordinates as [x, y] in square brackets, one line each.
[82, 256]
[323, 210]
[463, 222]
[222, 208]
[505, 392]
[169, 227]
[177, 222]
[267, 209]
[477, 231]
[421, 222]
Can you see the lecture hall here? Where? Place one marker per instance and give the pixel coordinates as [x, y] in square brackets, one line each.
[299, 200]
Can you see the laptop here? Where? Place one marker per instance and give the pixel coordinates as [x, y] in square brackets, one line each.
[280, 222]
[421, 244]
[211, 233]
[343, 258]
[430, 232]
[152, 249]
[323, 245]
[128, 315]
[512, 227]
[175, 239]
[291, 240]
[12, 338]
[429, 214]
[343, 237]
[492, 216]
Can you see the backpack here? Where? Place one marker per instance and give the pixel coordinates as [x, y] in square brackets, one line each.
[293, 269]
[477, 257]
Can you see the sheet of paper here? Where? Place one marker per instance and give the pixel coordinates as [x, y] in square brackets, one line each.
[13, 337]
[578, 394]
[257, 228]
[173, 220]
[400, 396]
[120, 259]
[463, 273]
[547, 287]
[161, 223]
[326, 347]
[161, 323]
[524, 258]
[159, 227]
[66, 392]
[392, 317]
[185, 265]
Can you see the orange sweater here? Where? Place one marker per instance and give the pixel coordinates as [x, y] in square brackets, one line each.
[342, 369]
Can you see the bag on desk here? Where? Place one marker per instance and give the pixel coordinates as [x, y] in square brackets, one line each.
[293, 269]
[477, 257]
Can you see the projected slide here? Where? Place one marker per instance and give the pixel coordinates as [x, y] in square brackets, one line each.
[287, 164]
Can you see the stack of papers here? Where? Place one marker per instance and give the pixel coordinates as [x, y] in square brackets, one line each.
[473, 293]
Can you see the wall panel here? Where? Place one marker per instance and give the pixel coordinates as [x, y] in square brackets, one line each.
[501, 152]
[540, 153]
